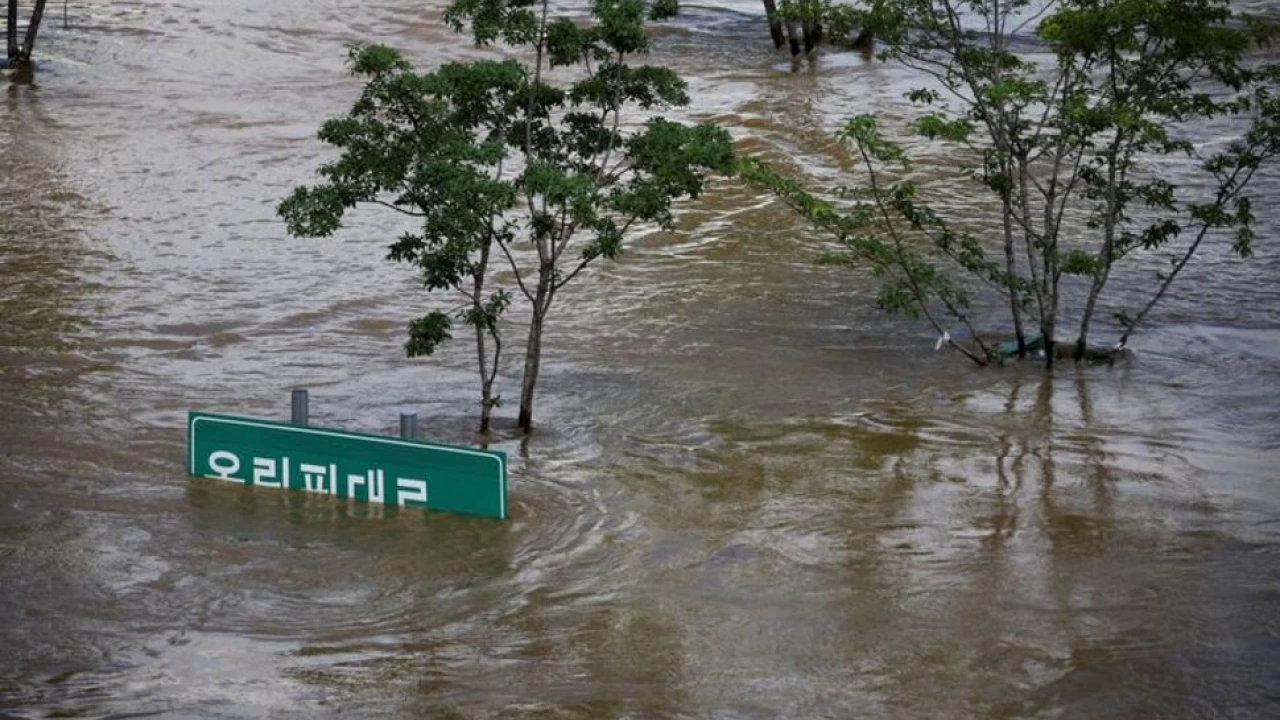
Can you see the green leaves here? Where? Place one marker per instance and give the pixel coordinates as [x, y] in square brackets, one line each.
[427, 333]
[620, 25]
[512, 21]
[315, 211]
[430, 147]
[567, 44]
[376, 61]
[889, 233]
[937, 126]
[1078, 262]
[615, 84]
[864, 132]
[1067, 178]
[661, 10]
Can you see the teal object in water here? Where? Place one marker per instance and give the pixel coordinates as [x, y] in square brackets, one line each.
[1010, 347]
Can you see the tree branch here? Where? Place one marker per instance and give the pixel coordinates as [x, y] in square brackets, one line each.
[514, 268]
[916, 291]
[587, 260]
[397, 208]
[1224, 196]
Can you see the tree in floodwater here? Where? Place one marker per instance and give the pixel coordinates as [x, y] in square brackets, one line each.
[499, 162]
[430, 147]
[1069, 150]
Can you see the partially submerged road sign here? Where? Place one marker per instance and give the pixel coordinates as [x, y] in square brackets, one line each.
[366, 468]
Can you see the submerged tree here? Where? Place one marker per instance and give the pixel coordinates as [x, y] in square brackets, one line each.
[499, 162]
[431, 147]
[1065, 149]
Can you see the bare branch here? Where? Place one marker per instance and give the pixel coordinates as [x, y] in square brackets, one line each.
[587, 260]
[1047, 7]
[1226, 193]
[397, 208]
[916, 291]
[514, 268]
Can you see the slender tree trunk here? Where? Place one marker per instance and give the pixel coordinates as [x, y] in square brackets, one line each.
[1050, 349]
[775, 25]
[1108, 245]
[864, 43]
[532, 362]
[1010, 267]
[486, 381]
[1089, 306]
[487, 390]
[810, 37]
[1164, 286]
[33, 26]
[533, 351]
[1048, 323]
[11, 30]
[482, 353]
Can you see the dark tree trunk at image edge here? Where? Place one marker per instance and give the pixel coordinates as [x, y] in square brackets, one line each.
[11, 29]
[775, 26]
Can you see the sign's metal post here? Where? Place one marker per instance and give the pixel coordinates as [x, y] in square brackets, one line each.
[301, 411]
[409, 425]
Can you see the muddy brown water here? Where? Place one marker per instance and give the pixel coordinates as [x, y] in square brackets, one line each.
[750, 495]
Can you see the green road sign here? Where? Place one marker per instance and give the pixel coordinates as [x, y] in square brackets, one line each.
[366, 468]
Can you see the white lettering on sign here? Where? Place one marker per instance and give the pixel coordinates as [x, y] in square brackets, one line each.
[411, 489]
[319, 478]
[224, 464]
[373, 481]
[264, 472]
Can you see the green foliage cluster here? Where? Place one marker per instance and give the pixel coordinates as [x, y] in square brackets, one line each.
[506, 173]
[1051, 144]
[501, 168]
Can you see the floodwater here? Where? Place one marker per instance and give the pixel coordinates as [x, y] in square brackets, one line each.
[750, 494]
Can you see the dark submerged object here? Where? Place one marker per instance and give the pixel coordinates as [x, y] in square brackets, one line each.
[808, 34]
[19, 40]
[1062, 350]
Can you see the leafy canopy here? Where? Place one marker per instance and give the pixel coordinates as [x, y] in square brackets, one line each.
[1064, 148]
[492, 160]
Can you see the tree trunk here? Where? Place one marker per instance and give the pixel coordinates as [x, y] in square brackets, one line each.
[482, 354]
[775, 25]
[532, 361]
[486, 382]
[793, 36]
[810, 37]
[1050, 349]
[11, 30]
[1049, 284]
[33, 26]
[486, 413]
[1049, 319]
[1010, 266]
[1108, 245]
[1089, 306]
[533, 351]
[865, 42]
